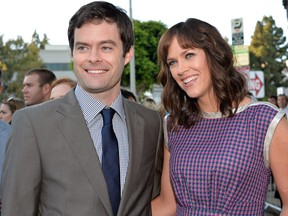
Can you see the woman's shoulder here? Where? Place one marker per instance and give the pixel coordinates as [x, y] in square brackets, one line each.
[256, 105]
[263, 105]
[263, 110]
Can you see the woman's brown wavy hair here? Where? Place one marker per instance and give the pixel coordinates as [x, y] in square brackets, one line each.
[229, 85]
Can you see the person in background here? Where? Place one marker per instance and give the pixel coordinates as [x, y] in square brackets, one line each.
[128, 95]
[150, 103]
[282, 102]
[221, 143]
[273, 99]
[5, 130]
[61, 86]
[57, 156]
[8, 108]
[37, 86]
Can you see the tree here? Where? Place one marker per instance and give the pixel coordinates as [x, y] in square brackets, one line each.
[40, 43]
[268, 53]
[147, 35]
[19, 57]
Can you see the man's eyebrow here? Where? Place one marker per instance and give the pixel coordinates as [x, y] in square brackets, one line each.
[109, 42]
[101, 42]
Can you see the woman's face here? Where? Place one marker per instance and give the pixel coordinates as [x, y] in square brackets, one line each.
[5, 113]
[59, 90]
[190, 70]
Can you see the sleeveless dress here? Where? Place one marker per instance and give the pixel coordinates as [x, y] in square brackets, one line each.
[220, 166]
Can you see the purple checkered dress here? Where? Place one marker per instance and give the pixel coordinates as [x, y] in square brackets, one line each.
[220, 165]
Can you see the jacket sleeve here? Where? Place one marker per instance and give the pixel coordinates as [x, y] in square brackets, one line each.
[20, 186]
[158, 161]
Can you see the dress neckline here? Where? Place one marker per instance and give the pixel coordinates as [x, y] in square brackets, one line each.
[219, 114]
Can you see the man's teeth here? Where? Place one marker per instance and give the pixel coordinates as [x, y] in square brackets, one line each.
[96, 71]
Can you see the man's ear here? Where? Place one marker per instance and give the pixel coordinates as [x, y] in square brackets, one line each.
[46, 88]
[129, 55]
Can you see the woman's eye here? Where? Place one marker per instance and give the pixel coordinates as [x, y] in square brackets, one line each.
[171, 63]
[189, 55]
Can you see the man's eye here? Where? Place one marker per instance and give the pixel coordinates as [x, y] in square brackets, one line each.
[106, 48]
[81, 48]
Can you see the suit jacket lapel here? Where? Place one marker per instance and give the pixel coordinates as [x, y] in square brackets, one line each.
[75, 130]
[135, 126]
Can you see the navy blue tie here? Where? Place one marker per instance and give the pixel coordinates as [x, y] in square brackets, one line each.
[110, 159]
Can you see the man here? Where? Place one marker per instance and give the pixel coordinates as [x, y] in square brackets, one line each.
[37, 86]
[282, 102]
[273, 99]
[54, 159]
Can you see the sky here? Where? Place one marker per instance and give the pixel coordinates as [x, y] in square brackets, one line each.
[22, 18]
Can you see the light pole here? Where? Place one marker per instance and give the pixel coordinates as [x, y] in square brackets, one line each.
[132, 62]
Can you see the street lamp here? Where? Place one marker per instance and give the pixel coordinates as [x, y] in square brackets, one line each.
[132, 62]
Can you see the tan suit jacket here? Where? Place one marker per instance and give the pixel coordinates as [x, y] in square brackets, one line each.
[52, 168]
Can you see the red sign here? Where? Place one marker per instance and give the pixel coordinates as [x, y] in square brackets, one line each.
[256, 83]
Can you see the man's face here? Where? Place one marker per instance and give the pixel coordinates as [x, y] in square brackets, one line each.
[98, 59]
[32, 90]
[282, 101]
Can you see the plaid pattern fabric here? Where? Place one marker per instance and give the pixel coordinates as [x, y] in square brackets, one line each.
[217, 166]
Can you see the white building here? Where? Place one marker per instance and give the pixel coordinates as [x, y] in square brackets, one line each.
[57, 58]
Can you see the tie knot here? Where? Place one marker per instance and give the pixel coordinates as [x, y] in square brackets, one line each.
[107, 115]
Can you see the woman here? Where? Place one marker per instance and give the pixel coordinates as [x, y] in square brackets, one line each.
[8, 107]
[221, 143]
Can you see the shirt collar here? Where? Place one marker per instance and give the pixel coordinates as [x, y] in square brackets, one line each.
[91, 107]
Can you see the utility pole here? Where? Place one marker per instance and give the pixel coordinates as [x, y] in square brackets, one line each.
[132, 62]
[285, 4]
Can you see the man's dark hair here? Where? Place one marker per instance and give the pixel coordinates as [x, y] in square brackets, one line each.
[98, 11]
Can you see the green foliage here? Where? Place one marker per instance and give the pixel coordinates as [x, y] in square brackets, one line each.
[147, 35]
[40, 43]
[19, 57]
[268, 53]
